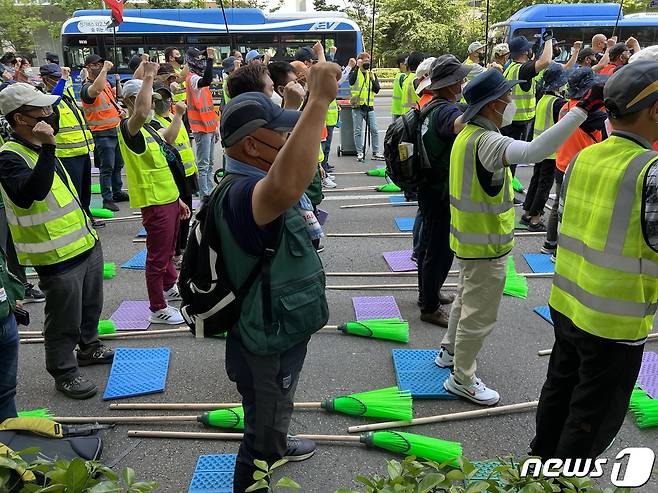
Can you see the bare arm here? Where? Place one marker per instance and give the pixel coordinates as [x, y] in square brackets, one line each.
[143, 100]
[546, 57]
[574, 56]
[605, 59]
[99, 82]
[318, 50]
[183, 74]
[296, 163]
[171, 132]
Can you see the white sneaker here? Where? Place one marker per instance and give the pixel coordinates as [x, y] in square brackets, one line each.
[328, 183]
[360, 156]
[169, 315]
[378, 156]
[172, 294]
[444, 359]
[331, 177]
[476, 392]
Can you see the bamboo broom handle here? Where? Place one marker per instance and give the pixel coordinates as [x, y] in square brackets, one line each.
[123, 218]
[443, 418]
[408, 235]
[232, 436]
[30, 333]
[198, 406]
[384, 286]
[350, 189]
[123, 419]
[410, 273]
[119, 335]
[547, 352]
[379, 204]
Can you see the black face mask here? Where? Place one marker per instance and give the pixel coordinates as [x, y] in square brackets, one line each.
[366, 66]
[180, 60]
[277, 149]
[481, 56]
[50, 119]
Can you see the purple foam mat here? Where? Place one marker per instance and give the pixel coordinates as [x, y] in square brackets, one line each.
[195, 204]
[374, 307]
[648, 376]
[400, 261]
[132, 315]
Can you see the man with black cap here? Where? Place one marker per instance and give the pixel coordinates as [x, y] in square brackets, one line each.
[229, 65]
[257, 213]
[52, 57]
[619, 54]
[605, 289]
[482, 218]
[306, 56]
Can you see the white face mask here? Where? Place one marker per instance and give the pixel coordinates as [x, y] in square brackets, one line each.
[508, 114]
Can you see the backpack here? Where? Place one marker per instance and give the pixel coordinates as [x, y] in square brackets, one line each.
[406, 160]
[210, 303]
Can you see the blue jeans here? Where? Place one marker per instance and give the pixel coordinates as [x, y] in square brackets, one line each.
[326, 147]
[204, 161]
[108, 159]
[8, 366]
[358, 117]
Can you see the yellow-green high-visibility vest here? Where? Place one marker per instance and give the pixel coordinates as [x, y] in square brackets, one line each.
[363, 90]
[73, 137]
[149, 179]
[225, 94]
[481, 226]
[409, 96]
[180, 93]
[51, 230]
[396, 102]
[544, 117]
[183, 146]
[332, 114]
[606, 276]
[525, 100]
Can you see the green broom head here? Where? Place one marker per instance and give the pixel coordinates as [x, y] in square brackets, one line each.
[440, 451]
[381, 172]
[517, 185]
[644, 408]
[36, 413]
[389, 403]
[388, 187]
[391, 329]
[109, 270]
[232, 418]
[106, 327]
[96, 188]
[515, 285]
[101, 213]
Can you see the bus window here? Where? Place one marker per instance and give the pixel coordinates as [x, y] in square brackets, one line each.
[530, 33]
[77, 56]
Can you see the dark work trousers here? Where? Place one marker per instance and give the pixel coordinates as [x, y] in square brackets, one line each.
[326, 147]
[8, 366]
[7, 243]
[540, 186]
[551, 227]
[518, 131]
[586, 393]
[74, 300]
[267, 385]
[107, 157]
[434, 253]
[184, 226]
[79, 169]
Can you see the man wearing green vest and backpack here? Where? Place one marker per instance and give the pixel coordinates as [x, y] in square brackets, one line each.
[52, 233]
[409, 98]
[605, 288]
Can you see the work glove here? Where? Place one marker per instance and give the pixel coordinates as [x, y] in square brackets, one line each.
[593, 99]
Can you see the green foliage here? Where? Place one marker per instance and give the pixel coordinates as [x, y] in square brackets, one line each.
[18, 22]
[61, 476]
[263, 477]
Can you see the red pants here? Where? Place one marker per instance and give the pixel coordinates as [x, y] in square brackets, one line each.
[161, 223]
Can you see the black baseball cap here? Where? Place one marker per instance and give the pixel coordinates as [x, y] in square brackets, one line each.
[486, 87]
[250, 111]
[50, 70]
[584, 53]
[94, 58]
[617, 50]
[134, 62]
[166, 69]
[305, 54]
[158, 86]
[631, 88]
[52, 57]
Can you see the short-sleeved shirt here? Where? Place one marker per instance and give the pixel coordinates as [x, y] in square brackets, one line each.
[85, 97]
[527, 72]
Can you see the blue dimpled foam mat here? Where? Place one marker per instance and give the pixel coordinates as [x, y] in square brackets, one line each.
[396, 199]
[483, 471]
[415, 371]
[544, 312]
[213, 474]
[141, 233]
[137, 372]
[138, 262]
[405, 223]
[539, 262]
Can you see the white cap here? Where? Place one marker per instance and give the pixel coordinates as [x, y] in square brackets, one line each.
[501, 49]
[21, 94]
[423, 74]
[132, 87]
[650, 53]
[474, 46]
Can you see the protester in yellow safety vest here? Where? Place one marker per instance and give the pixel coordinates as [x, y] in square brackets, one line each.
[363, 87]
[482, 218]
[501, 54]
[229, 65]
[409, 96]
[605, 289]
[396, 102]
[157, 183]
[177, 62]
[54, 235]
[475, 58]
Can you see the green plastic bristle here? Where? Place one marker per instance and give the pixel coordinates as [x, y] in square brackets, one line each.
[388, 187]
[109, 270]
[36, 413]
[644, 408]
[515, 285]
[390, 329]
[517, 185]
[440, 451]
[101, 213]
[230, 419]
[389, 403]
[106, 327]
[380, 172]
[96, 188]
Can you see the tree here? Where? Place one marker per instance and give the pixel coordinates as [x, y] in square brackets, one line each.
[166, 4]
[17, 25]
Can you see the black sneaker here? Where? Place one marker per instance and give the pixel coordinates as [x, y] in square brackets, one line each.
[299, 449]
[110, 206]
[320, 249]
[32, 294]
[98, 224]
[540, 226]
[446, 298]
[120, 196]
[517, 201]
[76, 387]
[525, 220]
[548, 248]
[101, 355]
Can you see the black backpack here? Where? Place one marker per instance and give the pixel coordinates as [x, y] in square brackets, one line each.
[408, 165]
[210, 303]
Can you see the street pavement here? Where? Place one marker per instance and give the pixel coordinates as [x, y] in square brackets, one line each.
[336, 364]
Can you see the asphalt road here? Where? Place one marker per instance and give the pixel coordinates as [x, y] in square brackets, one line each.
[335, 365]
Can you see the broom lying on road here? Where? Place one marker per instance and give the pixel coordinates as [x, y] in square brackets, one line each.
[391, 329]
[380, 172]
[644, 408]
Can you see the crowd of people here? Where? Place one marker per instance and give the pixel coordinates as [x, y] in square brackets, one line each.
[589, 125]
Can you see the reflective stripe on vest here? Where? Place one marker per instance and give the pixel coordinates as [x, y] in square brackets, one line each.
[332, 114]
[200, 109]
[481, 226]
[180, 94]
[51, 230]
[102, 114]
[363, 89]
[396, 102]
[72, 139]
[409, 98]
[183, 146]
[606, 276]
[544, 117]
[525, 100]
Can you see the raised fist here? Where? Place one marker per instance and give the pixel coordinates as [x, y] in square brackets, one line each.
[44, 133]
[577, 45]
[210, 52]
[107, 65]
[323, 80]
[180, 107]
[150, 68]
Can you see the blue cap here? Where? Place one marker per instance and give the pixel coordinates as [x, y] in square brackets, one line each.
[50, 70]
[555, 76]
[519, 45]
[581, 79]
[250, 111]
[252, 55]
[486, 87]
[228, 64]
